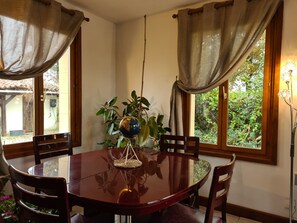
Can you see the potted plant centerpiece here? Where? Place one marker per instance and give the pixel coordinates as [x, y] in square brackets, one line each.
[151, 126]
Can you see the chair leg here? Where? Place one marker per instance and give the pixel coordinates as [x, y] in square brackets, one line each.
[224, 217]
[195, 202]
[192, 200]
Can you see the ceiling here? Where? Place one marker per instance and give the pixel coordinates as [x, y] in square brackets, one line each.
[119, 11]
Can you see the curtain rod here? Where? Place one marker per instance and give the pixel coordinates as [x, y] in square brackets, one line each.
[68, 11]
[71, 12]
[217, 6]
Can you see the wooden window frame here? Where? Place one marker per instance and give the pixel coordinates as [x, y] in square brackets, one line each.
[26, 148]
[268, 152]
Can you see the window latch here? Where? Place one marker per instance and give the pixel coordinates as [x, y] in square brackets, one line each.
[225, 95]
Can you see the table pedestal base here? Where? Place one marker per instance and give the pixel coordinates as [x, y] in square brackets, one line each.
[122, 219]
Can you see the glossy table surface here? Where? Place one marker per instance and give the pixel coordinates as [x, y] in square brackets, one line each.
[92, 180]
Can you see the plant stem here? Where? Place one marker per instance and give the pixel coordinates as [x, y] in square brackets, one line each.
[143, 65]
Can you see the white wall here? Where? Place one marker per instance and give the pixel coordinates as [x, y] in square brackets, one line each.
[160, 65]
[14, 114]
[98, 74]
[256, 186]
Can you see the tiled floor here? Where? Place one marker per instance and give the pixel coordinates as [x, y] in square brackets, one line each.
[236, 219]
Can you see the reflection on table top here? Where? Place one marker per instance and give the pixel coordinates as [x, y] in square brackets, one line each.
[162, 180]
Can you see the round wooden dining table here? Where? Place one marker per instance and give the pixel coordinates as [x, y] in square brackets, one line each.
[93, 181]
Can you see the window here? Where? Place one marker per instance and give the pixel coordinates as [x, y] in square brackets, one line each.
[241, 115]
[43, 105]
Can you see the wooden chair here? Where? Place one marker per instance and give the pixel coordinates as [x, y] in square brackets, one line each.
[219, 189]
[185, 144]
[32, 205]
[46, 146]
[188, 145]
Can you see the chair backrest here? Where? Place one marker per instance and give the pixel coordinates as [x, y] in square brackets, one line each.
[31, 205]
[4, 174]
[184, 144]
[46, 146]
[219, 189]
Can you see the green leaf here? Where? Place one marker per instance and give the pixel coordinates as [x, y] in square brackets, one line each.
[153, 127]
[112, 101]
[145, 101]
[120, 139]
[110, 129]
[143, 135]
[115, 132]
[167, 129]
[101, 111]
[160, 119]
[134, 95]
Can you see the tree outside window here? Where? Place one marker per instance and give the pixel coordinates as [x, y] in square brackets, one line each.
[241, 115]
[244, 100]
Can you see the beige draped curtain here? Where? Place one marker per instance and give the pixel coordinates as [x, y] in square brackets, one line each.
[212, 43]
[34, 34]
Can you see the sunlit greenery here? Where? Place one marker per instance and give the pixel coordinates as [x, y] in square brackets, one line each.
[206, 116]
[244, 105]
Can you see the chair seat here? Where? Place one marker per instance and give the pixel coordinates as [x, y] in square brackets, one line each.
[219, 189]
[180, 213]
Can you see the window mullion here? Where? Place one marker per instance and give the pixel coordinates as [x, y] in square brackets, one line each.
[76, 90]
[39, 106]
[223, 116]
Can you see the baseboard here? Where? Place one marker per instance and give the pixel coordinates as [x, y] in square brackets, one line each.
[250, 213]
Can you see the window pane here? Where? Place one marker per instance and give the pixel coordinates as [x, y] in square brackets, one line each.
[57, 97]
[16, 104]
[245, 101]
[206, 116]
